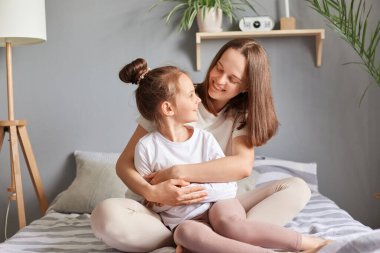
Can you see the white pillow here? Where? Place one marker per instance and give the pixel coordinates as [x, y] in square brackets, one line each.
[248, 183]
[95, 181]
[270, 169]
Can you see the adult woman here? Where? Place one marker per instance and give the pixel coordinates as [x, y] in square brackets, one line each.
[237, 108]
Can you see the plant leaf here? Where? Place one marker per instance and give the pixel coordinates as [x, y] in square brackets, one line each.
[351, 23]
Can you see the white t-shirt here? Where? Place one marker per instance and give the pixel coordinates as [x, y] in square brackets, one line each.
[154, 152]
[221, 126]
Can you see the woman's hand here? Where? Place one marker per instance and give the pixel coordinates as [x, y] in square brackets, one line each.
[176, 192]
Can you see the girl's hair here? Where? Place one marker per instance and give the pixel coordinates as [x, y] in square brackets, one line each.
[154, 86]
[255, 107]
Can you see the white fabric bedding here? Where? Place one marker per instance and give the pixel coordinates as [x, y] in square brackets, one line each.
[59, 232]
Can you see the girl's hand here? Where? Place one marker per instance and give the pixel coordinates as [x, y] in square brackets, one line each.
[161, 176]
[173, 192]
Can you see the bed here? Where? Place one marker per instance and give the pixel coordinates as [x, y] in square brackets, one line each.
[66, 225]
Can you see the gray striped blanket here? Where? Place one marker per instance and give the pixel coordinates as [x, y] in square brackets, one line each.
[59, 232]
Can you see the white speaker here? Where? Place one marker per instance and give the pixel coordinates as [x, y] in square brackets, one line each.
[251, 24]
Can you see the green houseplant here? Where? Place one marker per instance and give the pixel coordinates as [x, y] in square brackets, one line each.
[189, 9]
[351, 22]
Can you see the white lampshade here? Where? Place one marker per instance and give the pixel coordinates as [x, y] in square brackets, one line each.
[22, 22]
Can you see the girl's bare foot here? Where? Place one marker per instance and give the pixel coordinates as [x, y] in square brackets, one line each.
[179, 249]
[318, 244]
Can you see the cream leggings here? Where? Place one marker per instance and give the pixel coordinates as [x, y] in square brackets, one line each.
[128, 226]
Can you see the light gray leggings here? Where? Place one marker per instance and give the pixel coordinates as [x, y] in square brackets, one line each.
[128, 226]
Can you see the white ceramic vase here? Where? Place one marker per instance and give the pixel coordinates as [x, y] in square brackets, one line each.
[212, 20]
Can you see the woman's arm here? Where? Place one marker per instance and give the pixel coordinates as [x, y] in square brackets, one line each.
[167, 192]
[236, 166]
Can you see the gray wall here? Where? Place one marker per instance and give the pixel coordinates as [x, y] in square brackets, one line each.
[68, 90]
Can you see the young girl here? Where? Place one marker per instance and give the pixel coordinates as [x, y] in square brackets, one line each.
[166, 96]
[237, 108]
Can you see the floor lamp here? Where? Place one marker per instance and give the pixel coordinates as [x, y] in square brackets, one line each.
[21, 22]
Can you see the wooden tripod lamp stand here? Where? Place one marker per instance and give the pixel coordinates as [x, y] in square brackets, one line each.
[21, 22]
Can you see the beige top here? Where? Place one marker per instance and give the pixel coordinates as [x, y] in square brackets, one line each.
[221, 126]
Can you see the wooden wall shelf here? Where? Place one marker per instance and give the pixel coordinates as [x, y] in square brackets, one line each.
[319, 35]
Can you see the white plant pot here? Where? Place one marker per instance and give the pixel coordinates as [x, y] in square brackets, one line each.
[211, 22]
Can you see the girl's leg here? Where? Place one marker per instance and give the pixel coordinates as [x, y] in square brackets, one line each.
[196, 236]
[228, 218]
[127, 225]
[276, 202]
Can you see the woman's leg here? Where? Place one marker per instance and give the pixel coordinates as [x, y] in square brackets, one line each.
[228, 218]
[277, 202]
[195, 236]
[127, 225]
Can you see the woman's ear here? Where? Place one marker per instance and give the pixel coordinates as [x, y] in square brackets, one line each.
[167, 108]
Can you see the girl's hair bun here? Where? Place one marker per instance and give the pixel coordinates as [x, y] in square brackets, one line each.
[134, 71]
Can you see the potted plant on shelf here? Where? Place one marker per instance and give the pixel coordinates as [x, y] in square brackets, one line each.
[209, 13]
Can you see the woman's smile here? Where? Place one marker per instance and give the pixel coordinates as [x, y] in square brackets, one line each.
[216, 87]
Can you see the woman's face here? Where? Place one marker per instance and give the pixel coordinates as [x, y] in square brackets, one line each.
[227, 78]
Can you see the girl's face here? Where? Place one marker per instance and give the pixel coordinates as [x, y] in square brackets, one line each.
[227, 78]
[186, 101]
